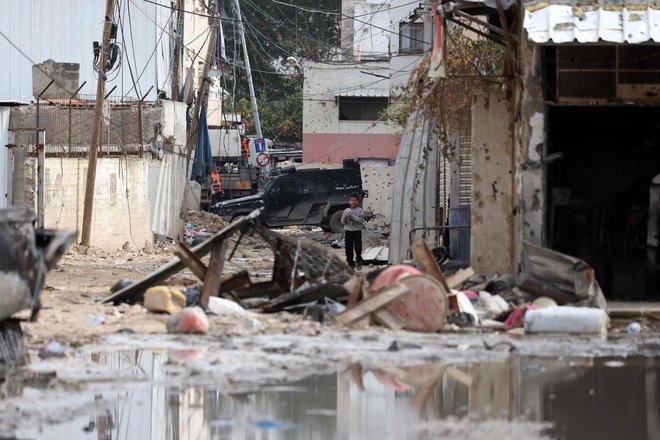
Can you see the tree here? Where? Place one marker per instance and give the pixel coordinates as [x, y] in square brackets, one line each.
[474, 65]
[275, 31]
[281, 119]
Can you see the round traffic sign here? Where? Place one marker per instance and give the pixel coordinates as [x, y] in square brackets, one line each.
[263, 159]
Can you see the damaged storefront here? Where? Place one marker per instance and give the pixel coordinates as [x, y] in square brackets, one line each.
[599, 74]
[582, 164]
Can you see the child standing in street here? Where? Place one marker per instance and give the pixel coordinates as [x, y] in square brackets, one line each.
[353, 221]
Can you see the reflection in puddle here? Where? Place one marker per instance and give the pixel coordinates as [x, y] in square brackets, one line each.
[582, 398]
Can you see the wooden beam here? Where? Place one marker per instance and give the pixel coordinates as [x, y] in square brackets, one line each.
[372, 304]
[257, 290]
[354, 289]
[190, 260]
[455, 280]
[388, 319]
[213, 279]
[236, 281]
[135, 291]
[423, 255]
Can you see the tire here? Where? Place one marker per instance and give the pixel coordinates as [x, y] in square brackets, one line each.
[335, 222]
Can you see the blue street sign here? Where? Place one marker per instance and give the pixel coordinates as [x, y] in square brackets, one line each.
[260, 145]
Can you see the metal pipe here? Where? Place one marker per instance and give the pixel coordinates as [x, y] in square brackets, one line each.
[482, 23]
[140, 121]
[41, 184]
[253, 98]
[109, 93]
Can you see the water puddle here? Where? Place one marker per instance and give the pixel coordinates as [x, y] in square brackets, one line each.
[572, 398]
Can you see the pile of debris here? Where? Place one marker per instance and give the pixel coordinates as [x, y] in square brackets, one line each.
[302, 272]
[204, 221]
[311, 279]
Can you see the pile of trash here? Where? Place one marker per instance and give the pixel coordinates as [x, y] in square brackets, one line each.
[553, 293]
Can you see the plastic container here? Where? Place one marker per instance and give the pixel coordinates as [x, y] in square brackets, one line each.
[222, 306]
[564, 319]
[94, 320]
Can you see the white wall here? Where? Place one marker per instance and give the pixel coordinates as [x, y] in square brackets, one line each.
[379, 181]
[121, 201]
[64, 30]
[323, 81]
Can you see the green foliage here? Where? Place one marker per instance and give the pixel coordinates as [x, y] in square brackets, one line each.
[275, 32]
[281, 120]
[474, 65]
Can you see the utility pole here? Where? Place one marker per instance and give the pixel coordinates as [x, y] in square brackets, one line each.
[202, 91]
[176, 62]
[98, 125]
[253, 98]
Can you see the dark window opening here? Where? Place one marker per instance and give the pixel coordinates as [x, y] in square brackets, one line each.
[411, 37]
[361, 109]
[603, 206]
[603, 73]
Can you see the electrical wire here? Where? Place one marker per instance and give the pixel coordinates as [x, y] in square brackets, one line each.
[130, 28]
[349, 17]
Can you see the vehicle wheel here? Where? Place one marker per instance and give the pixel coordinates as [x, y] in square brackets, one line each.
[335, 222]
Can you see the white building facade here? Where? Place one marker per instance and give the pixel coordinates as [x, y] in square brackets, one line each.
[344, 100]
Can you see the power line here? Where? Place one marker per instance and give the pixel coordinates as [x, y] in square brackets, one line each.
[350, 17]
[153, 52]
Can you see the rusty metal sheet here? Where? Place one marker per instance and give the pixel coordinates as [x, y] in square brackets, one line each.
[566, 276]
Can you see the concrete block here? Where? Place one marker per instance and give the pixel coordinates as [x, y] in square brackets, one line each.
[66, 76]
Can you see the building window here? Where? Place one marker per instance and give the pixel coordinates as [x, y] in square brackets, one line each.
[361, 109]
[411, 37]
[604, 72]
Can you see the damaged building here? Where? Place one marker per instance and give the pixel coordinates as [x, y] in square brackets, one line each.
[567, 157]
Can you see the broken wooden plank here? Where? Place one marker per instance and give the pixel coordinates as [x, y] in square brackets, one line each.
[354, 289]
[373, 304]
[213, 279]
[282, 265]
[135, 291]
[316, 292]
[423, 255]
[455, 280]
[452, 304]
[267, 288]
[236, 281]
[388, 319]
[190, 260]
[383, 316]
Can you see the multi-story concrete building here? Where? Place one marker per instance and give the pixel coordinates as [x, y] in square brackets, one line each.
[381, 43]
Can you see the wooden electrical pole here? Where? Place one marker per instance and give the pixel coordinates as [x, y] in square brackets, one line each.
[176, 61]
[98, 126]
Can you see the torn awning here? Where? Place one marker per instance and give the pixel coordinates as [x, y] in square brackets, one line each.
[570, 21]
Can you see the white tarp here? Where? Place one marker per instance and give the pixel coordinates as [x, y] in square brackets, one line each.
[565, 23]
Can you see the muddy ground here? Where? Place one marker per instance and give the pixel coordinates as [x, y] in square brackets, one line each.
[244, 354]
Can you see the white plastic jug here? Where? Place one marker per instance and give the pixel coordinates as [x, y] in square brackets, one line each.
[567, 319]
